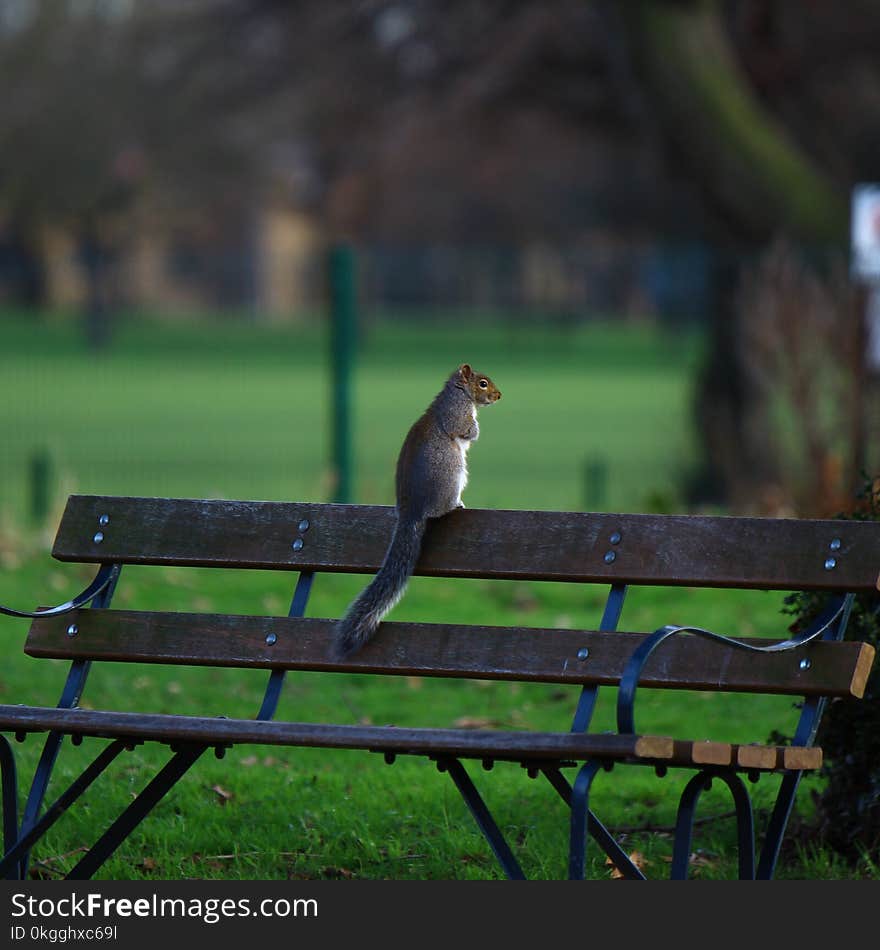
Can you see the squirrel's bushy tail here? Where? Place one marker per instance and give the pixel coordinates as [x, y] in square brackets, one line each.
[384, 591]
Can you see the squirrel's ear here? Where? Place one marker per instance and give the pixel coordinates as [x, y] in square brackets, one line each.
[464, 371]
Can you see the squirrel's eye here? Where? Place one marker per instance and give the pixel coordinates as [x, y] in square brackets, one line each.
[484, 384]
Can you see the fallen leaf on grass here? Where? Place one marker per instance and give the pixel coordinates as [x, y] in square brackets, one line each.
[701, 861]
[637, 858]
[475, 722]
[268, 760]
[223, 796]
[45, 870]
[697, 860]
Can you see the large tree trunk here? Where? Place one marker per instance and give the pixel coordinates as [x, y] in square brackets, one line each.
[758, 182]
[754, 174]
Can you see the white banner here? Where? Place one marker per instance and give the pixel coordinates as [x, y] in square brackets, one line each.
[866, 232]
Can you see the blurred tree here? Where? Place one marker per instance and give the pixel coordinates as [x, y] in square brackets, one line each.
[796, 348]
[765, 183]
[108, 102]
[748, 165]
[391, 98]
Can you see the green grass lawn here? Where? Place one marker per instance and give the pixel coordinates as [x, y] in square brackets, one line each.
[208, 410]
[241, 411]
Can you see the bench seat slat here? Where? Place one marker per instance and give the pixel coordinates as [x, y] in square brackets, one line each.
[480, 652]
[783, 554]
[460, 743]
[165, 727]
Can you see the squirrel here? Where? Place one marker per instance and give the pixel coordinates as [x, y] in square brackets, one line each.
[430, 477]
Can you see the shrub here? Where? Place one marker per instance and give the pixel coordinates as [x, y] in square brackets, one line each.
[849, 807]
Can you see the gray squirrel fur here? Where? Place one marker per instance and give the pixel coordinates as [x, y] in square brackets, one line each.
[431, 475]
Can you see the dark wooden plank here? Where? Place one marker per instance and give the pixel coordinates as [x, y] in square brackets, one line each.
[765, 553]
[401, 740]
[411, 649]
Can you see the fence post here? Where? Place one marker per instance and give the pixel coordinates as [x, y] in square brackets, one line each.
[343, 330]
[595, 483]
[40, 466]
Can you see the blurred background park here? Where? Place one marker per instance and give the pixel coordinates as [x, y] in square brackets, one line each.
[242, 243]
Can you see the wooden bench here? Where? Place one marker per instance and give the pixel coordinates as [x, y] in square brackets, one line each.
[617, 551]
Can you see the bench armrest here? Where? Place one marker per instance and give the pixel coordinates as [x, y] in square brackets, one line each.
[837, 609]
[103, 579]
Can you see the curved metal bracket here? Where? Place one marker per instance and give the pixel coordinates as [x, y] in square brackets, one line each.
[684, 824]
[837, 609]
[103, 579]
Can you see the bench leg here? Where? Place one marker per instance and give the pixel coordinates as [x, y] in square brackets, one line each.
[169, 775]
[10, 799]
[580, 797]
[684, 825]
[16, 850]
[776, 827]
[600, 834]
[70, 696]
[804, 735]
[483, 817]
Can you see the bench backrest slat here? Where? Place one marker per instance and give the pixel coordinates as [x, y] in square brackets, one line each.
[764, 553]
[505, 653]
